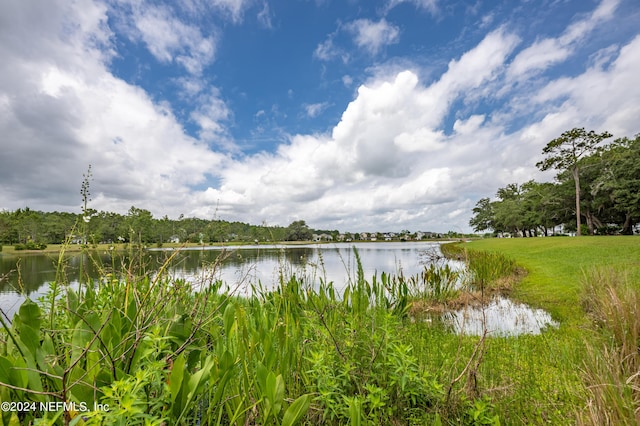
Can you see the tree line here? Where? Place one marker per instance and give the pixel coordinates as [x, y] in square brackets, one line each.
[596, 190]
[35, 228]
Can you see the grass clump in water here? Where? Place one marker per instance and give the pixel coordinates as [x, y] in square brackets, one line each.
[489, 270]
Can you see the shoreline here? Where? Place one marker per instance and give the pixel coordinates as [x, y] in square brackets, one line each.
[9, 250]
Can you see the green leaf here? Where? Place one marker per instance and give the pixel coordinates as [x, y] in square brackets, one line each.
[30, 314]
[80, 392]
[72, 300]
[437, 421]
[229, 318]
[262, 374]
[180, 328]
[93, 365]
[80, 338]
[15, 371]
[47, 346]
[278, 396]
[34, 379]
[355, 411]
[6, 367]
[176, 376]
[30, 338]
[226, 362]
[195, 384]
[296, 410]
[112, 332]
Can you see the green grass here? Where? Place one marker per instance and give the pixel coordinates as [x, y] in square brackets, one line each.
[556, 377]
[556, 266]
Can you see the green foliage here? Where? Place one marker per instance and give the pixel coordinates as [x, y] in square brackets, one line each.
[482, 412]
[488, 267]
[137, 226]
[483, 216]
[359, 364]
[298, 231]
[596, 190]
[156, 352]
[564, 152]
[30, 245]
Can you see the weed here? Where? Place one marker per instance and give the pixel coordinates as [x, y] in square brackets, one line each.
[611, 369]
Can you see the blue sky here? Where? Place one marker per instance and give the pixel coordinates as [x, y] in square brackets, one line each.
[352, 115]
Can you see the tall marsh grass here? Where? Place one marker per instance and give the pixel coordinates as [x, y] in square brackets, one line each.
[612, 370]
[436, 283]
[489, 270]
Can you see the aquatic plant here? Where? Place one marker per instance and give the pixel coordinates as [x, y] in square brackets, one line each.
[437, 283]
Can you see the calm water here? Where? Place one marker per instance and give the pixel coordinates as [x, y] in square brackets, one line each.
[237, 267]
[501, 317]
[241, 267]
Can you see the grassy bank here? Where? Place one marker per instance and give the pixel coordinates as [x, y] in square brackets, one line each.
[592, 285]
[556, 267]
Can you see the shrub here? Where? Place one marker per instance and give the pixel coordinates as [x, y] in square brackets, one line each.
[30, 245]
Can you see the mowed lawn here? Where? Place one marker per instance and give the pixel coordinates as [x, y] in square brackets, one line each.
[556, 267]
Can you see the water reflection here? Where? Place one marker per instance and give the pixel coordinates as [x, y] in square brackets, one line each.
[240, 268]
[501, 317]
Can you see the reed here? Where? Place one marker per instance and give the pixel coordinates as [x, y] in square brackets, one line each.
[612, 369]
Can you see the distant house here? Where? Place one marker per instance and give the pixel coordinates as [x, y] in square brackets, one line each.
[364, 236]
[76, 239]
[322, 237]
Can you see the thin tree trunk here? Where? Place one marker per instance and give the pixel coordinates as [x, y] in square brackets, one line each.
[576, 178]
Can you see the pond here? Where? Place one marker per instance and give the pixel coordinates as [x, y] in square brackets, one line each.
[240, 267]
[500, 317]
[237, 266]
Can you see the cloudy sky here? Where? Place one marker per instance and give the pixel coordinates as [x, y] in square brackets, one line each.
[349, 114]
